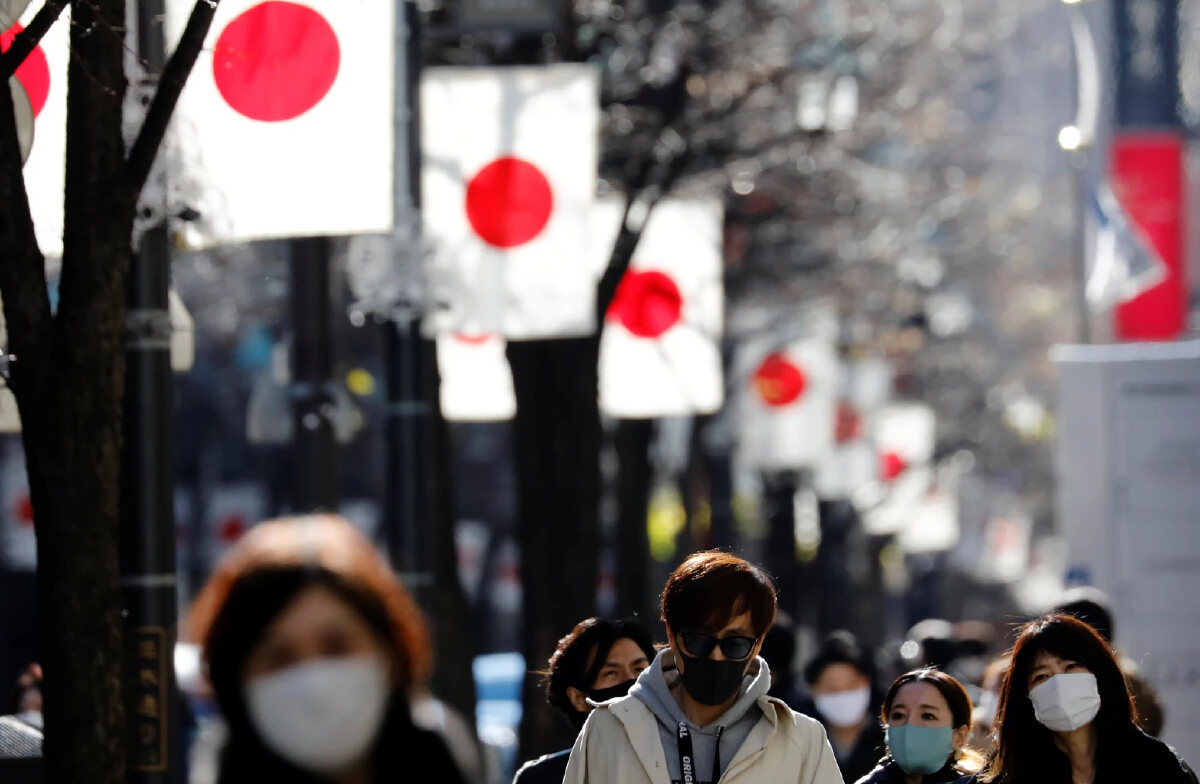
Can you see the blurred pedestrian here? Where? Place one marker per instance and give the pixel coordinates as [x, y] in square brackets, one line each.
[598, 661]
[840, 679]
[1066, 715]
[984, 718]
[26, 702]
[1093, 607]
[313, 648]
[779, 652]
[927, 717]
[700, 712]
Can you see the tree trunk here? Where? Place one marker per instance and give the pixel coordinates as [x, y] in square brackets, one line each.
[450, 612]
[779, 492]
[69, 381]
[557, 437]
[632, 441]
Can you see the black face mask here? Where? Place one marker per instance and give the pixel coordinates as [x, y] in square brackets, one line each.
[711, 682]
[612, 692]
[601, 695]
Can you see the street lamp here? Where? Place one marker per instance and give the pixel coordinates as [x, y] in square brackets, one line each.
[1075, 139]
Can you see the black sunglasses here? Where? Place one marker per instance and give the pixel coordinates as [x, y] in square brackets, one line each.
[701, 644]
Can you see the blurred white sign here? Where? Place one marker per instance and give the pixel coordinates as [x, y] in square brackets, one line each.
[477, 384]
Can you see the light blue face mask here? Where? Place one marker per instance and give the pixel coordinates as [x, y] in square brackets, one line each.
[918, 749]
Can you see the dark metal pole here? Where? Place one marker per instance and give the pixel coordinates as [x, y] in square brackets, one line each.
[315, 458]
[407, 432]
[147, 492]
[1079, 245]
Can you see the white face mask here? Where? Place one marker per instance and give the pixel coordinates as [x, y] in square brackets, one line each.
[322, 715]
[844, 708]
[1066, 702]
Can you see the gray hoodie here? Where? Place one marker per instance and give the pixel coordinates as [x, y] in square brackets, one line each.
[653, 688]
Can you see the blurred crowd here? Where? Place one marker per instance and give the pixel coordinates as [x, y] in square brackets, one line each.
[315, 661]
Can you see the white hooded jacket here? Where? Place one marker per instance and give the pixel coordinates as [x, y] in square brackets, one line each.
[620, 744]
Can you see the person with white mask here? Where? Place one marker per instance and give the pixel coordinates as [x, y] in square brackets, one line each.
[1065, 715]
[840, 681]
[313, 649]
[984, 717]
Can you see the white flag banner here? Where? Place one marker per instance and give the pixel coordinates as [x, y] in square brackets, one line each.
[477, 384]
[660, 351]
[789, 406]
[508, 181]
[43, 76]
[854, 463]
[933, 525]
[905, 436]
[285, 127]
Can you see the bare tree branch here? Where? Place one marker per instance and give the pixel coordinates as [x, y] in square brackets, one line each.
[170, 85]
[27, 40]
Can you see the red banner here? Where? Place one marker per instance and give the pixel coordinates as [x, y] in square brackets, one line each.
[1148, 177]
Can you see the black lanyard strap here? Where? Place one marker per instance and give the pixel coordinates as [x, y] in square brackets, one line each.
[687, 760]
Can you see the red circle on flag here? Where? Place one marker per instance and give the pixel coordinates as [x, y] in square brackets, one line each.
[892, 465]
[849, 423]
[779, 382]
[232, 528]
[33, 74]
[646, 303]
[509, 202]
[473, 340]
[24, 511]
[276, 61]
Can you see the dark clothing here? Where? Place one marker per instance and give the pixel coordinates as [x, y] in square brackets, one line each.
[867, 751]
[889, 772]
[550, 769]
[20, 752]
[1136, 757]
[792, 697]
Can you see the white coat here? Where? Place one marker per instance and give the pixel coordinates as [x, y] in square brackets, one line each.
[620, 745]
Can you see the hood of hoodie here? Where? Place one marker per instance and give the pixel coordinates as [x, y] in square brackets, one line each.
[730, 730]
[654, 687]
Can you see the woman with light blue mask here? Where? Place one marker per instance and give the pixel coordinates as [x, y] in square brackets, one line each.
[927, 722]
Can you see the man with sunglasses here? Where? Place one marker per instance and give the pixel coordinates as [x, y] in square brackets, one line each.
[700, 713]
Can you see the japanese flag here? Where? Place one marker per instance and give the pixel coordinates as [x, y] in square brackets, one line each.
[660, 353]
[508, 180]
[789, 405]
[477, 384]
[854, 463]
[285, 127]
[43, 76]
[904, 437]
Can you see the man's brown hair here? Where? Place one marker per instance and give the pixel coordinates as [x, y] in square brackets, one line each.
[708, 589]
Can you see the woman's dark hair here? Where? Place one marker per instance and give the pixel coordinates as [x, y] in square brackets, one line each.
[840, 647]
[955, 695]
[580, 656]
[708, 589]
[1025, 749]
[255, 582]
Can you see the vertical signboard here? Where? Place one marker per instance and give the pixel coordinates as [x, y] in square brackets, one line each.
[1129, 501]
[1147, 158]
